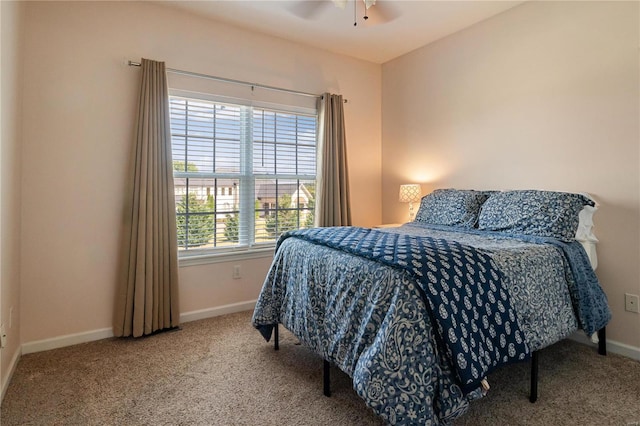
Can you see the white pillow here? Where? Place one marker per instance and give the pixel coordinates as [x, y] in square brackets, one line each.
[584, 233]
[585, 224]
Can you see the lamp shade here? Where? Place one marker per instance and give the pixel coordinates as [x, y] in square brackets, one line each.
[410, 193]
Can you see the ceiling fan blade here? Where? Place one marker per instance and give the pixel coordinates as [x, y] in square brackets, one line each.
[340, 3]
[308, 9]
[382, 12]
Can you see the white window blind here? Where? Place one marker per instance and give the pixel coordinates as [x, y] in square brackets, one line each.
[243, 174]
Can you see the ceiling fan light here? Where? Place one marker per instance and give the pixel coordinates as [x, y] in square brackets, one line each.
[369, 3]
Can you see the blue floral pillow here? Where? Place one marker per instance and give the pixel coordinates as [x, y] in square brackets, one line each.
[451, 207]
[530, 212]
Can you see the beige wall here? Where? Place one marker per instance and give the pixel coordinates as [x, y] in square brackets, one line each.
[542, 96]
[10, 123]
[79, 108]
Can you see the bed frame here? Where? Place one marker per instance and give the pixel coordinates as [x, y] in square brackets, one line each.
[533, 394]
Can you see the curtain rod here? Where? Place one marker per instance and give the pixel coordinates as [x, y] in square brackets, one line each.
[228, 80]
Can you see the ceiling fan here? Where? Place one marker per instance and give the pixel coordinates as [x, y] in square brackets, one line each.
[312, 9]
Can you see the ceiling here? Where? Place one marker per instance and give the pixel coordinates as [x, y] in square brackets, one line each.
[321, 24]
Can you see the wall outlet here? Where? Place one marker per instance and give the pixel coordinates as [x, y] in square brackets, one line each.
[236, 272]
[3, 336]
[631, 302]
[10, 317]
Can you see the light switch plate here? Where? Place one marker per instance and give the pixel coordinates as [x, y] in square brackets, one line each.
[631, 303]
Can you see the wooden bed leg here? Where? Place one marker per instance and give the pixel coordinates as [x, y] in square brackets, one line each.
[326, 380]
[276, 337]
[602, 341]
[533, 396]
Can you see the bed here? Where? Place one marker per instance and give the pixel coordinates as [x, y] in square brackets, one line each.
[419, 315]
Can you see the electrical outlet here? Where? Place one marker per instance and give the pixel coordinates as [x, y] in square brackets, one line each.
[631, 303]
[3, 336]
[10, 317]
[236, 272]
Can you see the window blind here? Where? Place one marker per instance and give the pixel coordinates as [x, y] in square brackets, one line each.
[243, 174]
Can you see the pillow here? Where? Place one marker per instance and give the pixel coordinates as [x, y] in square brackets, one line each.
[584, 232]
[452, 207]
[530, 212]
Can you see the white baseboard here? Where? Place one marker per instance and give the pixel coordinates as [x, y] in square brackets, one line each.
[105, 333]
[612, 346]
[218, 310]
[12, 369]
[66, 340]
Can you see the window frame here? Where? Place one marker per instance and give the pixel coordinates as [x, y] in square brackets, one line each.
[247, 179]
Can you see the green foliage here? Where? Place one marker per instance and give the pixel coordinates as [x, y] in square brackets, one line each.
[231, 232]
[311, 187]
[211, 203]
[178, 166]
[311, 214]
[284, 202]
[201, 227]
[282, 220]
[256, 208]
[310, 211]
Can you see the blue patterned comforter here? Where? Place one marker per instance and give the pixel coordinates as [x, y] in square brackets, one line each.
[374, 321]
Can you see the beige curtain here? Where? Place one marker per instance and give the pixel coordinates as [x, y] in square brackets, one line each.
[333, 205]
[147, 298]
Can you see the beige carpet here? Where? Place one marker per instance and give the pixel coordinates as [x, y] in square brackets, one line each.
[219, 371]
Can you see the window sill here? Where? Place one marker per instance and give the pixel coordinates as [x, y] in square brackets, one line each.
[229, 256]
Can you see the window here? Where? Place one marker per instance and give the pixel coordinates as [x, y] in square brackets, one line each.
[243, 174]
